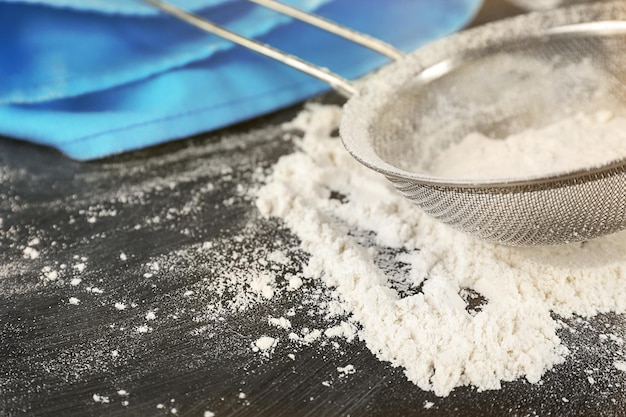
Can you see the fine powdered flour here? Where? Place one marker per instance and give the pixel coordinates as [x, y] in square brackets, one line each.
[449, 309]
[576, 142]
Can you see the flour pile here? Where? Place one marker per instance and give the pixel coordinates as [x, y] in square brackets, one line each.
[577, 142]
[449, 309]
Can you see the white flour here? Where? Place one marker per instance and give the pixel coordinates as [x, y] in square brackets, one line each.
[265, 344]
[578, 142]
[450, 310]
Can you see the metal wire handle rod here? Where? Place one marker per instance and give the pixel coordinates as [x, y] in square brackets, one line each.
[357, 37]
[340, 84]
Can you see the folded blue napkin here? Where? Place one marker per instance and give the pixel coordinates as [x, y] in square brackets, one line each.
[99, 77]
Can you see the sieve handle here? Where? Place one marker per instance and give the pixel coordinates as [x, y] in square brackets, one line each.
[338, 83]
[367, 41]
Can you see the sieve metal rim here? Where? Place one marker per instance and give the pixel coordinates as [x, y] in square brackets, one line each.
[436, 59]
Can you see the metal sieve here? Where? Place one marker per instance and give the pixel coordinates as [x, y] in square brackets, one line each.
[498, 79]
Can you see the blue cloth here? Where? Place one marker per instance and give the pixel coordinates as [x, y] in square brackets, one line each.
[128, 7]
[99, 77]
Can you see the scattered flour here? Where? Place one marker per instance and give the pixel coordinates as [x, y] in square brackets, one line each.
[265, 345]
[143, 329]
[578, 142]
[620, 365]
[262, 284]
[30, 253]
[312, 336]
[346, 370]
[100, 399]
[49, 274]
[344, 329]
[278, 257]
[449, 309]
[281, 322]
[295, 283]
